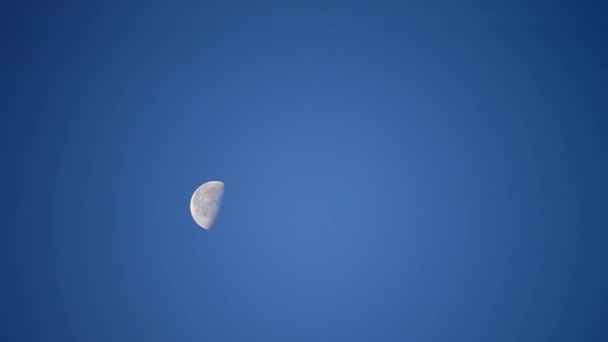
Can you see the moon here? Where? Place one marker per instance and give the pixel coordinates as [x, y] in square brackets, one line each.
[205, 203]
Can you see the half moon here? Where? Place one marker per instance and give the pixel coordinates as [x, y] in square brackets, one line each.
[205, 203]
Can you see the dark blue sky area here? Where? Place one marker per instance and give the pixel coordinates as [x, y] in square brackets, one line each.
[394, 171]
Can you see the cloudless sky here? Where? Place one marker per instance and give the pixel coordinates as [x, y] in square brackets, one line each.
[394, 171]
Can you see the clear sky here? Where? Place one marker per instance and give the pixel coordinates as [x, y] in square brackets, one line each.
[394, 171]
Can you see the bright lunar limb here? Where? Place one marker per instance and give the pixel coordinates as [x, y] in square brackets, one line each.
[205, 203]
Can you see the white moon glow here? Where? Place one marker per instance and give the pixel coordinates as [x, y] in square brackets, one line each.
[205, 203]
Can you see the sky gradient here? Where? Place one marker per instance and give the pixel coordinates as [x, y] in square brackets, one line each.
[394, 171]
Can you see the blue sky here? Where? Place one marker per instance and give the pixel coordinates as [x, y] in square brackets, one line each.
[394, 171]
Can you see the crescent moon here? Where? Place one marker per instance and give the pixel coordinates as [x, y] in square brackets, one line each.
[205, 203]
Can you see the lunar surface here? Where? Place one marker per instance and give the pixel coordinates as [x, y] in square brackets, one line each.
[205, 203]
